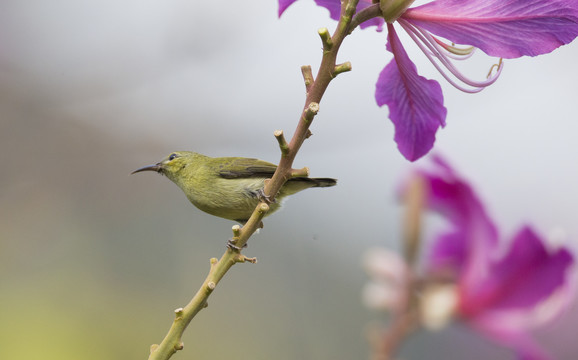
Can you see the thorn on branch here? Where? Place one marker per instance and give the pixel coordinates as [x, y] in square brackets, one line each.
[307, 76]
[325, 39]
[282, 142]
[308, 134]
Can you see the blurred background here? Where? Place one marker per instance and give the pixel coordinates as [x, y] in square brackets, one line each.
[93, 261]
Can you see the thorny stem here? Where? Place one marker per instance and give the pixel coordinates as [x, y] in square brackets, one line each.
[315, 90]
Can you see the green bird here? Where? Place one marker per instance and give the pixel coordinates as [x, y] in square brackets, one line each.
[228, 187]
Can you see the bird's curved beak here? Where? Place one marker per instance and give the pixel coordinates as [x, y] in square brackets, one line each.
[156, 167]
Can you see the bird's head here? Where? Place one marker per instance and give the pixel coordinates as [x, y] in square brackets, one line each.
[171, 166]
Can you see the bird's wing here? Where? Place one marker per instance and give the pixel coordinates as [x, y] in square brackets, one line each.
[237, 168]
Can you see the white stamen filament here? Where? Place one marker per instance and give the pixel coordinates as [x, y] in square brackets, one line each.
[448, 64]
[431, 49]
[454, 52]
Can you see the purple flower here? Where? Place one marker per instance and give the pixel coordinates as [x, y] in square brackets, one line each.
[502, 292]
[501, 28]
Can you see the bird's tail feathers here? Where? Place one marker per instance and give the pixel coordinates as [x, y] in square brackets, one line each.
[320, 182]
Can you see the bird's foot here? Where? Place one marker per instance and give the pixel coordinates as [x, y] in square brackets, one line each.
[231, 245]
[265, 198]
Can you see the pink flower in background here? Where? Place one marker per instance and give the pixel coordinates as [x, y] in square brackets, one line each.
[501, 28]
[504, 292]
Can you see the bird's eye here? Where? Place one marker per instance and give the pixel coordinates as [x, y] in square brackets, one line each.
[172, 156]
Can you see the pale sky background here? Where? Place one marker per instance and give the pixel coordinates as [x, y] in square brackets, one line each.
[219, 78]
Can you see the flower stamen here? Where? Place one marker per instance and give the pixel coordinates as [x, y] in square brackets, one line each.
[432, 48]
[462, 53]
[497, 66]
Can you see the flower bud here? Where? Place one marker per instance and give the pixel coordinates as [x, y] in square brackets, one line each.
[392, 9]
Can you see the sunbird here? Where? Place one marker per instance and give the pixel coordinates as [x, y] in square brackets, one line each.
[228, 187]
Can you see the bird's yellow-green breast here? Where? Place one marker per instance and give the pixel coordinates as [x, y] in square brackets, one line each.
[227, 187]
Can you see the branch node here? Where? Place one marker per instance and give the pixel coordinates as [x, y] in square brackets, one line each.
[341, 68]
[307, 76]
[304, 172]
[311, 111]
[236, 230]
[179, 313]
[263, 208]
[325, 39]
[282, 142]
[153, 348]
[179, 346]
[350, 10]
[308, 134]
[211, 285]
[242, 258]
[213, 261]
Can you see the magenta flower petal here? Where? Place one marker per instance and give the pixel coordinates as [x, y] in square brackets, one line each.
[502, 28]
[473, 235]
[448, 253]
[524, 277]
[531, 270]
[503, 294]
[452, 196]
[334, 7]
[526, 348]
[283, 5]
[415, 103]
